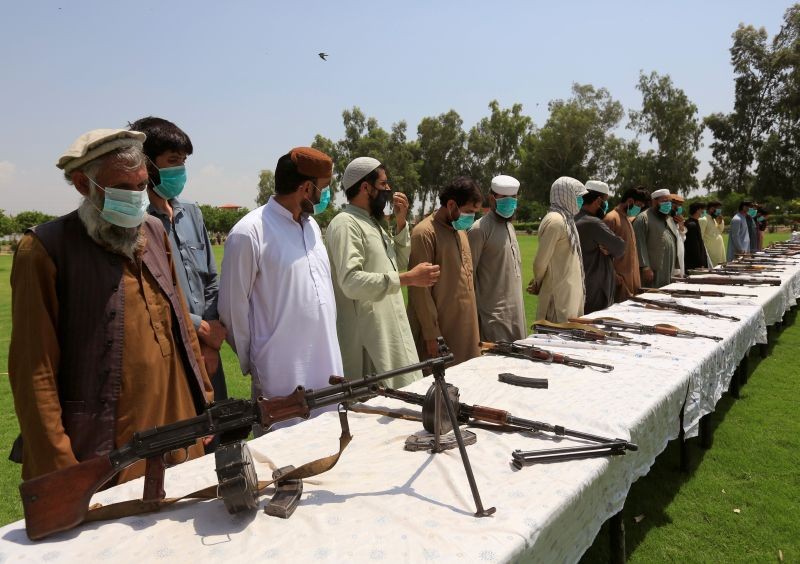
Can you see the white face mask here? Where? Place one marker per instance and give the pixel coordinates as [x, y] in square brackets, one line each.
[124, 208]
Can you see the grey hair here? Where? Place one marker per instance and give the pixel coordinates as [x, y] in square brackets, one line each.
[127, 158]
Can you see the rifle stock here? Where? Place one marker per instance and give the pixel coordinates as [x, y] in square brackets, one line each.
[59, 501]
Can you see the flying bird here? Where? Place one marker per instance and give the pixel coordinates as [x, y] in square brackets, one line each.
[323, 56]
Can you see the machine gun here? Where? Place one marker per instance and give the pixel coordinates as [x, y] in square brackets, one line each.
[59, 500]
[468, 413]
[729, 280]
[578, 332]
[641, 329]
[686, 293]
[536, 354]
[657, 304]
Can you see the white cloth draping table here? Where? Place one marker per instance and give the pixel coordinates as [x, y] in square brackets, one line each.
[381, 503]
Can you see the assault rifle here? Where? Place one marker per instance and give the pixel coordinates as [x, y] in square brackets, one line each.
[467, 413]
[536, 354]
[641, 329]
[59, 500]
[686, 293]
[728, 280]
[657, 304]
[576, 332]
[730, 271]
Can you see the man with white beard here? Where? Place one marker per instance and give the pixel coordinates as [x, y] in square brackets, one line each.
[102, 344]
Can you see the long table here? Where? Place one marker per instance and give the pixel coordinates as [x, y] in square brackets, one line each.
[382, 503]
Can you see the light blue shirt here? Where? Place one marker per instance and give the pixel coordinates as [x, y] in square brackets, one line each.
[738, 237]
[193, 257]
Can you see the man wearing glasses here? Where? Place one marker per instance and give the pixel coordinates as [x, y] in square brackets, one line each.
[368, 267]
[102, 344]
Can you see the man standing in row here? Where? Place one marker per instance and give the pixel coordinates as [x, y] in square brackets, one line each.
[558, 277]
[696, 256]
[713, 226]
[101, 344]
[167, 147]
[599, 248]
[448, 308]
[628, 280]
[739, 235]
[657, 241]
[276, 297]
[497, 262]
[367, 266]
[679, 219]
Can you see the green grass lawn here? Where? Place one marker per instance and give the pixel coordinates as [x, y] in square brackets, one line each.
[752, 466]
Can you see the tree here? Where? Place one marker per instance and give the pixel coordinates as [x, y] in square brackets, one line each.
[441, 142]
[670, 120]
[27, 219]
[576, 141]
[494, 142]
[266, 186]
[7, 225]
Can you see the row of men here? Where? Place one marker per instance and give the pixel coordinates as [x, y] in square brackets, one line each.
[118, 314]
[590, 257]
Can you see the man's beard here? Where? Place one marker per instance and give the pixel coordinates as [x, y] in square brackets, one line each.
[126, 241]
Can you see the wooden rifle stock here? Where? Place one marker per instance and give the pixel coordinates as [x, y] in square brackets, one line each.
[59, 501]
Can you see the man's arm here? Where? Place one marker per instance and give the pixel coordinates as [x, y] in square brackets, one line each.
[33, 360]
[348, 255]
[604, 236]
[477, 240]
[420, 298]
[640, 230]
[549, 234]
[402, 247]
[239, 271]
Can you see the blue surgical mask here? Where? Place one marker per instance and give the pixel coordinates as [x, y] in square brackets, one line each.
[605, 206]
[717, 212]
[679, 211]
[173, 179]
[761, 219]
[752, 212]
[704, 213]
[124, 208]
[505, 207]
[580, 202]
[324, 200]
[464, 222]
[665, 207]
[634, 210]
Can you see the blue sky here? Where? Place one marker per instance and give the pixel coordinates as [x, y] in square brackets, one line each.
[244, 80]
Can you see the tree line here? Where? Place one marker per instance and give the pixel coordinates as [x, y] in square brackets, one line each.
[755, 148]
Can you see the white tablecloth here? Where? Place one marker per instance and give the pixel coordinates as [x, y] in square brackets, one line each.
[381, 503]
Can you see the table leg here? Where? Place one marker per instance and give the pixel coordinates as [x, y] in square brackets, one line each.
[616, 528]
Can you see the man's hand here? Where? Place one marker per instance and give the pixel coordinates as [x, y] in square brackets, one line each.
[432, 348]
[602, 249]
[210, 359]
[212, 333]
[423, 275]
[534, 287]
[647, 274]
[400, 210]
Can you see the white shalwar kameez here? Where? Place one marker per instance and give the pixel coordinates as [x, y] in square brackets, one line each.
[276, 301]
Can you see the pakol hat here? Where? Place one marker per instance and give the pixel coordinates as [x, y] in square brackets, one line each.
[312, 162]
[505, 185]
[96, 143]
[358, 169]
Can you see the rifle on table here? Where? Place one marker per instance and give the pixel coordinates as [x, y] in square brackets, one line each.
[728, 280]
[59, 500]
[658, 329]
[578, 332]
[536, 354]
[726, 271]
[657, 304]
[468, 413]
[686, 293]
[764, 260]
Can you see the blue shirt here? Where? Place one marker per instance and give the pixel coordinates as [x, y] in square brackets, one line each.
[738, 237]
[193, 257]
